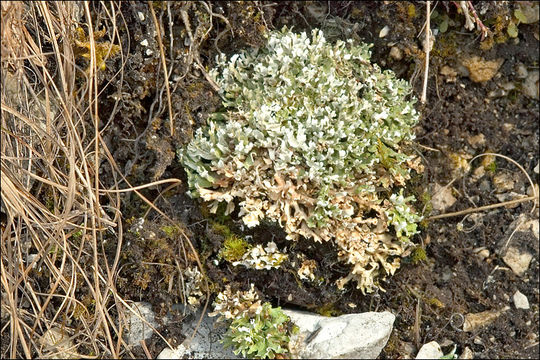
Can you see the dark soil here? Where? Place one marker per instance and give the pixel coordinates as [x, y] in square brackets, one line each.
[430, 295]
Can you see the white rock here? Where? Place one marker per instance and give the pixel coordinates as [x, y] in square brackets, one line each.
[352, 336]
[520, 301]
[58, 344]
[384, 31]
[431, 350]
[137, 328]
[205, 344]
[467, 353]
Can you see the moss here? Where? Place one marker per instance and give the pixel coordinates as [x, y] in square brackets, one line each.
[169, 230]
[234, 247]
[328, 310]
[419, 254]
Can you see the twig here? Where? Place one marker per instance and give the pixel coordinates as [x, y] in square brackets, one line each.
[427, 49]
[164, 64]
[145, 349]
[481, 208]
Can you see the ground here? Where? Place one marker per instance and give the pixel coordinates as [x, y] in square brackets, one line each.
[460, 270]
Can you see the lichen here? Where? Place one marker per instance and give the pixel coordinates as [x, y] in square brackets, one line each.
[311, 137]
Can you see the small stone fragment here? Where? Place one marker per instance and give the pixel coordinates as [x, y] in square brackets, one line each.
[537, 168]
[481, 70]
[396, 53]
[521, 71]
[503, 182]
[467, 353]
[138, 329]
[59, 343]
[477, 141]
[517, 260]
[449, 73]
[530, 85]
[520, 301]
[384, 31]
[431, 350]
[442, 198]
[478, 320]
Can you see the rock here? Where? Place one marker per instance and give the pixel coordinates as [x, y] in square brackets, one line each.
[431, 350]
[58, 344]
[477, 141]
[527, 12]
[530, 85]
[481, 70]
[206, 343]
[384, 31]
[442, 198]
[503, 182]
[475, 321]
[521, 71]
[517, 260]
[467, 353]
[352, 336]
[137, 328]
[449, 73]
[537, 168]
[520, 301]
[396, 53]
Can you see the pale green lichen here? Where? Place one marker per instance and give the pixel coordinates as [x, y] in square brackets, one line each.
[310, 136]
[255, 330]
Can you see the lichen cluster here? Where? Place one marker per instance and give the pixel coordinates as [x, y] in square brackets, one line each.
[310, 136]
[256, 330]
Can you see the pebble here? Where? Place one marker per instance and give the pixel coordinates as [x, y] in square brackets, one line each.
[474, 321]
[467, 353]
[481, 70]
[137, 328]
[396, 53]
[431, 350]
[530, 85]
[517, 260]
[442, 198]
[520, 301]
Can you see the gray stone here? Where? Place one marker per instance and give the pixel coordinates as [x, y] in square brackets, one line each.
[431, 350]
[520, 301]
[204, 345]
[352, 336]
[139, 329]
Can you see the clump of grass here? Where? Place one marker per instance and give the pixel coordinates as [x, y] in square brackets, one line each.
[60, 214]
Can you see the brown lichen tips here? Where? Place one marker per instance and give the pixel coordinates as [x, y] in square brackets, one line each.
[311, 137]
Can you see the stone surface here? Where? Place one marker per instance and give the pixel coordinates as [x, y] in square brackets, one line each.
[431, 350]
[442, 198]
[517, 260]
[467, 353]
[58, 344]
[475, 321]
[481, 70]
[520, 300]
[352, 336]
[137, 328]
[206, 343]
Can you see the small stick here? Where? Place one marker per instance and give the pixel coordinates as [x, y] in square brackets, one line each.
[426, 50]
[481, 208]
[145, 349]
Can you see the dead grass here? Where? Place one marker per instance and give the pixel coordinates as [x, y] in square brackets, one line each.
[55, 275]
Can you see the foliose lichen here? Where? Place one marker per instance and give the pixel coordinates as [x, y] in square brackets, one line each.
[311, 136]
